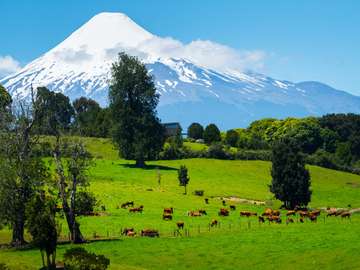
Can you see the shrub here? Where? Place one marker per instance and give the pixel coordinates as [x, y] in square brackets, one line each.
[323, 159]
[253, 155]
[80, 259]
[85, 203]
[231, 137]
[216, 150]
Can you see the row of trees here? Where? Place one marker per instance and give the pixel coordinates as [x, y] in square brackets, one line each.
[83, 117]
[30, 194]
[331, 141]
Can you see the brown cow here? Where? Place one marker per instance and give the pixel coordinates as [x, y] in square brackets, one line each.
[303, 213]
[213, 223]
[301, 220]
[180, 224]
[276, 219]
[268, 212]
[167, 216]
[127, 204]
[291, 213]
[275, 213]
[136, 209]
[168, 210]
[313, 217]
[345, 214]
[315, 213]
[261, 219]
[247, 214]
[223, 212]
[202, 211]
[131, 234]
[150, 233]
[194, 214]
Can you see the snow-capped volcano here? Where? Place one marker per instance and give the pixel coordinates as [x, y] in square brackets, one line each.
[80, 66]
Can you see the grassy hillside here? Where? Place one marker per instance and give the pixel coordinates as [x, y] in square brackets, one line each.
[331, 243]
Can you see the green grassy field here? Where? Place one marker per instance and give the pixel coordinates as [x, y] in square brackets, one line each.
[239, 243]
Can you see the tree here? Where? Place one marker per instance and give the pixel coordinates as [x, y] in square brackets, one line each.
[231, 138]
[195, 131]
[71, 176]
[138, 132]
[290, 179]
[5, 108]
[183, 177]
[42, 226]
[21, 171]
[86, 114]
[212, 134]
[56, 111]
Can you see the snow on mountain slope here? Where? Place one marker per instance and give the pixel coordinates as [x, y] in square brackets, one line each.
[80, 66]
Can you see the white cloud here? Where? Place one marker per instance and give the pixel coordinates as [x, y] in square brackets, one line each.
[206, 53]
[8, 65]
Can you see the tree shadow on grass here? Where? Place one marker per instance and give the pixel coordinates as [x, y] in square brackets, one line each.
[150, 167]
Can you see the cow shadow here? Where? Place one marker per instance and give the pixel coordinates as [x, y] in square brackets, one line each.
[149, 167]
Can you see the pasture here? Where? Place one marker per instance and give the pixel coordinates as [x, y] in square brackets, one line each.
[239, 242]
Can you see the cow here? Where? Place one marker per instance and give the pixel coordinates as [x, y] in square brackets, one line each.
[275, 213]
[206, 200]
[131, 234]
[272, 218]
[150, 233]
[223, 212]
[168, 210]
[224, 202]
[312, 217]
[232, 207]
[213, 223]
[180, 224]
[291, 213]
[268, 212]
[345, 215]
[331, 213]
[202, 212]
[127, 230]
[315, 213]
[194, 214]
[301, 220]
[303, 213]
[127, 204]
[247, 214]
[261, 219]
[136, 209]
[167, 216]
[289, 220]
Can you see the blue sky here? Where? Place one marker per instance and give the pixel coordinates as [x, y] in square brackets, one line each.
[300, 40]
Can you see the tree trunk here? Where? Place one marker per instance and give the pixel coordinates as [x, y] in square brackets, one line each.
[18, 230]
[140, 163]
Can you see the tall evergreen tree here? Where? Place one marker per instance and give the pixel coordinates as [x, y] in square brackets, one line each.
[138, 132]
[183, 177]
[290, 179]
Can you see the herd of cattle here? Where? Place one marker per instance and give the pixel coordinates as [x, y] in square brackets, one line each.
[269, 215]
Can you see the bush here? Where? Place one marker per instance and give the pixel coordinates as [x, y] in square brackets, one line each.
[253, 155]
[85, 203]
[80, 259]
[231, 137]
[323, 159]
[216, 150]
[3, 266]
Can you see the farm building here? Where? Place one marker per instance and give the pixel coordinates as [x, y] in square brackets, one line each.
[171, 129]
